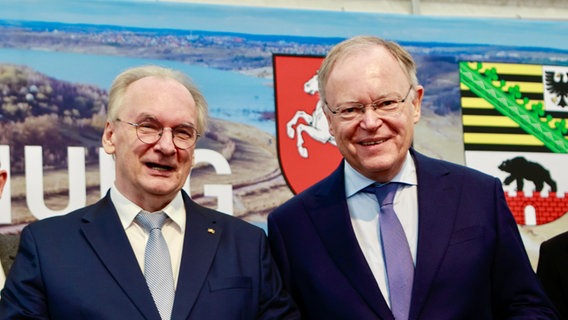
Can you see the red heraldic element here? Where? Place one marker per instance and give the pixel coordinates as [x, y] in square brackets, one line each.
[306, 151]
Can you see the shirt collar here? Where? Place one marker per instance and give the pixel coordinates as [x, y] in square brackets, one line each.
[355, 181]
[127, 210]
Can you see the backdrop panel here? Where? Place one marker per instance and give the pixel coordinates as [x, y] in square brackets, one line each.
[495, 93]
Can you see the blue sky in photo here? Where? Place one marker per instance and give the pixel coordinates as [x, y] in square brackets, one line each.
[291, 22]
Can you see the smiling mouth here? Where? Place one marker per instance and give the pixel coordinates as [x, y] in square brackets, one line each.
[371, 143]
[159, 167]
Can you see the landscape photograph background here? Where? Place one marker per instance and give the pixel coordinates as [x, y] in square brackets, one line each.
[58, 59]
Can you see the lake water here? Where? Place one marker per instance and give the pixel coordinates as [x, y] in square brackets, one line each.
[231, 95]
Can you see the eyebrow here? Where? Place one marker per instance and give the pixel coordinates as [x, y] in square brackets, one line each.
[390, 95]
[146, 116]
[150, 117]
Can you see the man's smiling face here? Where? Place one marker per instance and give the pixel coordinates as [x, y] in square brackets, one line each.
[151, 174]
[374, 145]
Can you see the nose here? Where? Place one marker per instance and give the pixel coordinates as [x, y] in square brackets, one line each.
[166, 142]
[369, 119]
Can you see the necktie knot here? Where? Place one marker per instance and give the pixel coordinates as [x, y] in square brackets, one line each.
[151, 220]
[384, 193]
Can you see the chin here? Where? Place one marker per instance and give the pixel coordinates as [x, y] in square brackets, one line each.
[378, 167]
[161, 188]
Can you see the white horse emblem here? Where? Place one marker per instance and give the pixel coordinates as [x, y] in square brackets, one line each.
[316, 124]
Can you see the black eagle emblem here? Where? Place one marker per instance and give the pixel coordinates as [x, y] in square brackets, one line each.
[557, 83]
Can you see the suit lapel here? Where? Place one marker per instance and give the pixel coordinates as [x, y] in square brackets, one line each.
[438, 196]
[103, 230]
[329, 205]
[199, 249]
[562, 263]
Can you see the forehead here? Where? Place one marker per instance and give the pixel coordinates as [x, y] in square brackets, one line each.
[159, 96]
[375, 61]
[363, 73]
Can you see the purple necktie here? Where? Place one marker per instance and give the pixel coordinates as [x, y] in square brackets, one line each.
[396, 252]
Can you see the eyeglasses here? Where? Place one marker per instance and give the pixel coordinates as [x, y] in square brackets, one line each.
[150, 131]
[388, 107]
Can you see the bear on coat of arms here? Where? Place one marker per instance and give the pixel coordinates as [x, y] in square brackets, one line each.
[521, 169]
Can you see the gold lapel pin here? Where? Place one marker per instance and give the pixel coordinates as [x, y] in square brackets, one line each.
[211, 231]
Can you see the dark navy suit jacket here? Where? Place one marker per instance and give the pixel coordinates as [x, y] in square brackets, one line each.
[81, 266]
[553, 271]
[471, 262]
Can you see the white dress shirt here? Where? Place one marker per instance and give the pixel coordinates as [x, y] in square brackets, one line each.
[364, 211]
[173, 230]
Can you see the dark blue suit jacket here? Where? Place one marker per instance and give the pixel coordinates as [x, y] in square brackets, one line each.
[471, 262]
[552, 271]
[81, 266]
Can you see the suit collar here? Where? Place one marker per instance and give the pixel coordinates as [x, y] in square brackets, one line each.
[438, 191]
[103, 231]
[329, 205]
[128, 210]
[355, 181]
[438, 195]
[202, 236]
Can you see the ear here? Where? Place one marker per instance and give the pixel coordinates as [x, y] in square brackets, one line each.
[328, 118]
[108, 138]
[417, 103]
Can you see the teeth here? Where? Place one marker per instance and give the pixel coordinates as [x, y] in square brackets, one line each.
[372, 143]
[158, 167]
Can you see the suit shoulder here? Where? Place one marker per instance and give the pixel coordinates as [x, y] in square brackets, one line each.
[298, 198]
[65, 220]
[558, 241]
[311, 197]
[425, 162]
[329, 190]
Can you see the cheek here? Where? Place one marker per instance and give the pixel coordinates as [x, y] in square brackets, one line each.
[187, 158]
[344, 131]
[405, 123]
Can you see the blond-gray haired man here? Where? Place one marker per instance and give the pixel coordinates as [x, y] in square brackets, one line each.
[101, 262]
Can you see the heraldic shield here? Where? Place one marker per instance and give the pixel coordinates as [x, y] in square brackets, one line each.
[306, 150]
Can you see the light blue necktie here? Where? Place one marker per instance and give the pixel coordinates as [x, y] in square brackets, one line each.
[396, 252]
[157, 263]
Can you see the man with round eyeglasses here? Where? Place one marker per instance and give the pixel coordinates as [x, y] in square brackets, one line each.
[391, 233]
[146, 250]
[150, 131]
